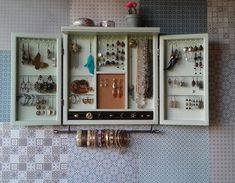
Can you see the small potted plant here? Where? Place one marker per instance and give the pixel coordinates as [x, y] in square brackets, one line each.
[133, 17]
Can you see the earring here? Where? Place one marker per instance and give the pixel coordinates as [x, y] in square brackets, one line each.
[75, 48]
[84, 100]
[200, 105]
[171, 103]
[23, 85]
[105, 83]
[24, 55]
[40, 86]
[169, 82]
[193, 82]
[119, 89]
[28, 86]
[53, 59]
[51, 86]
[174, 103]
[114, 90]
[175, 82]
[49, 53]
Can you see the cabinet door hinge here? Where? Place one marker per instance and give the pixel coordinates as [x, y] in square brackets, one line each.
[62, 102]
[62, 51]
[158, 51]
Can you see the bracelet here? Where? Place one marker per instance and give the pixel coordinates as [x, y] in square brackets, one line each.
[95, 138]
[84, 138]
[88, 138]
[111, 134]
[103, 138]
[107, 138]
[118, 139]
[99, 139]
[79, 138]
[115, 138]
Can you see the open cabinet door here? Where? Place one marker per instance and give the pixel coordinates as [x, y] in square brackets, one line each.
[35, 79]
[184, 80]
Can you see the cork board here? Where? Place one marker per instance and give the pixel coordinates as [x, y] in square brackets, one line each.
[111, 91]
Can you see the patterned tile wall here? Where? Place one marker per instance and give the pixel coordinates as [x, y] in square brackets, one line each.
[45, 16]
[99, 10]
[221, 28]
[175, 17]
[5, 86]
[32, 155]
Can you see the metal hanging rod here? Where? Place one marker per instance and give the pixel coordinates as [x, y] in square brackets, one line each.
[69, 131]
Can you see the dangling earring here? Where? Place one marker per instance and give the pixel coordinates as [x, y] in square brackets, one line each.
[114, 90]
[174, 103]
[51, 86]
[23, 85]
[119, 90]
[39, 86]
[49, 53]
[171, 103]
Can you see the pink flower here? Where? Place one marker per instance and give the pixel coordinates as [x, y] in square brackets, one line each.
[129, 4]
[134, 4]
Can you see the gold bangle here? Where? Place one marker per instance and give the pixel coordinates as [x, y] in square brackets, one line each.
[111, 135]
[88, 138]
[84, 138]
[118, 138]
[95, 138]
[115, 138]
[125, 139]
[107, 138]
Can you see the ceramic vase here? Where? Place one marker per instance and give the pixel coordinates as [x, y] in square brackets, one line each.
[133, 20]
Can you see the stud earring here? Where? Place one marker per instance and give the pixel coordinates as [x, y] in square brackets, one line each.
[101, 83]
[169, 82]
[105, 83]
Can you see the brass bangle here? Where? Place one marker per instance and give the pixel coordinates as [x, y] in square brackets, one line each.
[95, 138]
[99, 138]
[111, 141]
[107, 138]
[84, 138]
[91, 137]
[124, 141]
[115, 138]
[103, 138]
[88, 138]
[118, 138]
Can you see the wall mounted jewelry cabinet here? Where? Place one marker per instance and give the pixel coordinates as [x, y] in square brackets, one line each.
[109, 76]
